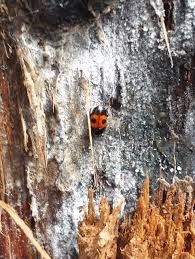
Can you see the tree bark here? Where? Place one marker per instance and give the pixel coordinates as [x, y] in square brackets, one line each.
[47, 48]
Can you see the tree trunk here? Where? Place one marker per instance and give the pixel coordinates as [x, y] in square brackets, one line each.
[47, 49]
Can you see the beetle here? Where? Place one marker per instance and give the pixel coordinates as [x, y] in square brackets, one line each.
[98, 119]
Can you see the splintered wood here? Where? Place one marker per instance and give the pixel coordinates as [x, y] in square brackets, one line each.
[98, 235]
[162, 227]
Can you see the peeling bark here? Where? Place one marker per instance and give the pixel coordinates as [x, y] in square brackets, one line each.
[12, 181]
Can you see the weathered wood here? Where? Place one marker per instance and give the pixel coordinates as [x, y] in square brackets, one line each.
[118, 46]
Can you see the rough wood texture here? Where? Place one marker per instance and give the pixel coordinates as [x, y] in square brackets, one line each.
[118, 46]
[161, 227]
[13, 184]
[98, 235]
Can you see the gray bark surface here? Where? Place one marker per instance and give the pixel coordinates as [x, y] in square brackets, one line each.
[129, 72]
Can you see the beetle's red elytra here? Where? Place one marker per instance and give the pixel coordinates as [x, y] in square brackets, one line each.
[98, 118]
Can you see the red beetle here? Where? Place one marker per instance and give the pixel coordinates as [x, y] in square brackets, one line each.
[98, 118]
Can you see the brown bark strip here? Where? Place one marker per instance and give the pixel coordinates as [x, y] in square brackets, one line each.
[12, 242]
[27, 231]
